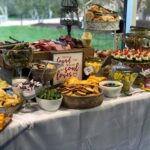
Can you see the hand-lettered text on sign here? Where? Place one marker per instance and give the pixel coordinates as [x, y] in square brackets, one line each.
[72, 66]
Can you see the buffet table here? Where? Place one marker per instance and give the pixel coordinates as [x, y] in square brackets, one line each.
[118, 124]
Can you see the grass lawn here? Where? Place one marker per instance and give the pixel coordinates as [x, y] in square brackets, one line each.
[34, 33]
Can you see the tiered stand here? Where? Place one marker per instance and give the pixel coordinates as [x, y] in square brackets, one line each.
[102, 26]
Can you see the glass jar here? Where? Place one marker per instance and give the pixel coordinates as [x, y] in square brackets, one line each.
[87, 39]
[93, 62]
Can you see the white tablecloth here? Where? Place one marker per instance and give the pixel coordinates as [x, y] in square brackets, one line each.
[118, 124]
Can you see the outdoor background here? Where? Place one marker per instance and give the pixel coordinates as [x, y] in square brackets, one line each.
[31, 20]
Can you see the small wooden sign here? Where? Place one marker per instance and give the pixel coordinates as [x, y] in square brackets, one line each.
[72, 64]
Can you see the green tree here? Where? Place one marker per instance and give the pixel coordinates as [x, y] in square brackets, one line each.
[22, 7]
[42, 7]
[55, 6]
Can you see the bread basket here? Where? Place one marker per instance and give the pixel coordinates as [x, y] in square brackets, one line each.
[98, 18]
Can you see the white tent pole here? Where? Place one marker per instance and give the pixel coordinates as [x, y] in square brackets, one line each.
[131, 14]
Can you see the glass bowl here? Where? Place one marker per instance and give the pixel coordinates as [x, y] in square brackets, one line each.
[125, 77]
[44, 70]
[17, 58]
[94, 62]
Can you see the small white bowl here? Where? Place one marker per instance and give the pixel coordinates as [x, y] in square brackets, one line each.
[111, 91]
[49, 105]
[16, 81]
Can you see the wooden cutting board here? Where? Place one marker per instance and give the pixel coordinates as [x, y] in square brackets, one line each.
[6, 123]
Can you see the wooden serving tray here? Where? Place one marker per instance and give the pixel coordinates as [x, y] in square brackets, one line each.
[11, 110]
[7, 122]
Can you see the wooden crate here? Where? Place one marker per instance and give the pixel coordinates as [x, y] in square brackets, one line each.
[46, 54]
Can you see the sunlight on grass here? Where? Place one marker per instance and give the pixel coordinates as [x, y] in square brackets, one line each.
[34, 33]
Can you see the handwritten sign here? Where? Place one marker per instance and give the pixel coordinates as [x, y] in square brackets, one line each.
[72, 66]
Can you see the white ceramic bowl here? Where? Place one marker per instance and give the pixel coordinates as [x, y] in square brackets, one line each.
[16, 81]
[111, 91]
[49, 105]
